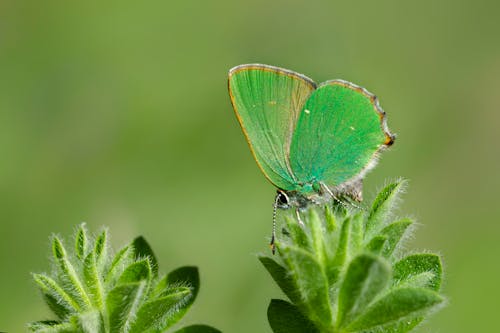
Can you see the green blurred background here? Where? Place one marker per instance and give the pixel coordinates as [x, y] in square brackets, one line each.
[116, 113]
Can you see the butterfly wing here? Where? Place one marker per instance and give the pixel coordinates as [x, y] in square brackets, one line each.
[339, 132]
[267, 101]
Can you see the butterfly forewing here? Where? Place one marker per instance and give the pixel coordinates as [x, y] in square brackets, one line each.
[338, 133]
[267, 101]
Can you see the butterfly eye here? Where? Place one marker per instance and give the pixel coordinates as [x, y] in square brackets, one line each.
[282, 200]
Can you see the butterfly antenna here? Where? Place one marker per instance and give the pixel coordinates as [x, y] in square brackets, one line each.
[272, 244]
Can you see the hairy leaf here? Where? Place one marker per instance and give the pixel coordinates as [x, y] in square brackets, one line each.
[382, 206]
[58, 300]
[122, 305]
[311, 280]
[285, 317]
[282, 278]
[143, 250]
[427, 266]
[334, 268]
[297, 234]
[356, 235]
[185, 276]
[318, 241]
[51, 326]
[404, 304]
[161, 313]
[101, 249]
[69, 275]
[139, 270]
[366, 276]
[93, 280]
[330, 220]
[181, 277]
[122, 259]
[81, 242]
[394, 232]
[91, 322]
[376, 244]
[198, 329]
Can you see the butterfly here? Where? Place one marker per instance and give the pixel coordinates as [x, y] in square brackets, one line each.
[313, 142]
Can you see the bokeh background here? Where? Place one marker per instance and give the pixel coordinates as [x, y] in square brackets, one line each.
[116, 113]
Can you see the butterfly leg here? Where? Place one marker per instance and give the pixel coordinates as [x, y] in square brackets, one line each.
[327, 189]
[299, 219]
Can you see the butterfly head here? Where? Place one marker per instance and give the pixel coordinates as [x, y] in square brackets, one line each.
[296, 199]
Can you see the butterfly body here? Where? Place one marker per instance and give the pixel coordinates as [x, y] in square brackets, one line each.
[313, 142]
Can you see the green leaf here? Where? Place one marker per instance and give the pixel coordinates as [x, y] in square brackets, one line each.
[382, 206]
[366, 277]
[333, 270]
[93, 280]
[143, 250]
[376, 244]
[139, 270]
[60, 310]
[51, 326]
[311, 281]
[58, 249]
[101, 249]
[122, 304]
[69, 275]
[394, 232]
[58, 300]
[91, 322]
[341, 253]
[121, 260]
[285, 317]
[175, 282]
[297, 234]
[198, 329]
[318, 242]
[356, 234]
[402, 326]
[330, 220]
[424, 267]
[161, 313]
[282, 278]
[81, 242]
[404, 304]
[186, 276]
[41, 324]
[160, 288]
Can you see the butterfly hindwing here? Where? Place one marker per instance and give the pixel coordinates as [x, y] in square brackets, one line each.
[338, 133]
[267, 101]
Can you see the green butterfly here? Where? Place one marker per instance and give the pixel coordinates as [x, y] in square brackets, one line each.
[313, 142]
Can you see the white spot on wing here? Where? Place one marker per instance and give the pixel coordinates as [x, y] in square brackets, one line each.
[307, 111]
[352, 128]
